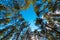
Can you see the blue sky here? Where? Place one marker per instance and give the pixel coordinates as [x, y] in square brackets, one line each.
[30, 16]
